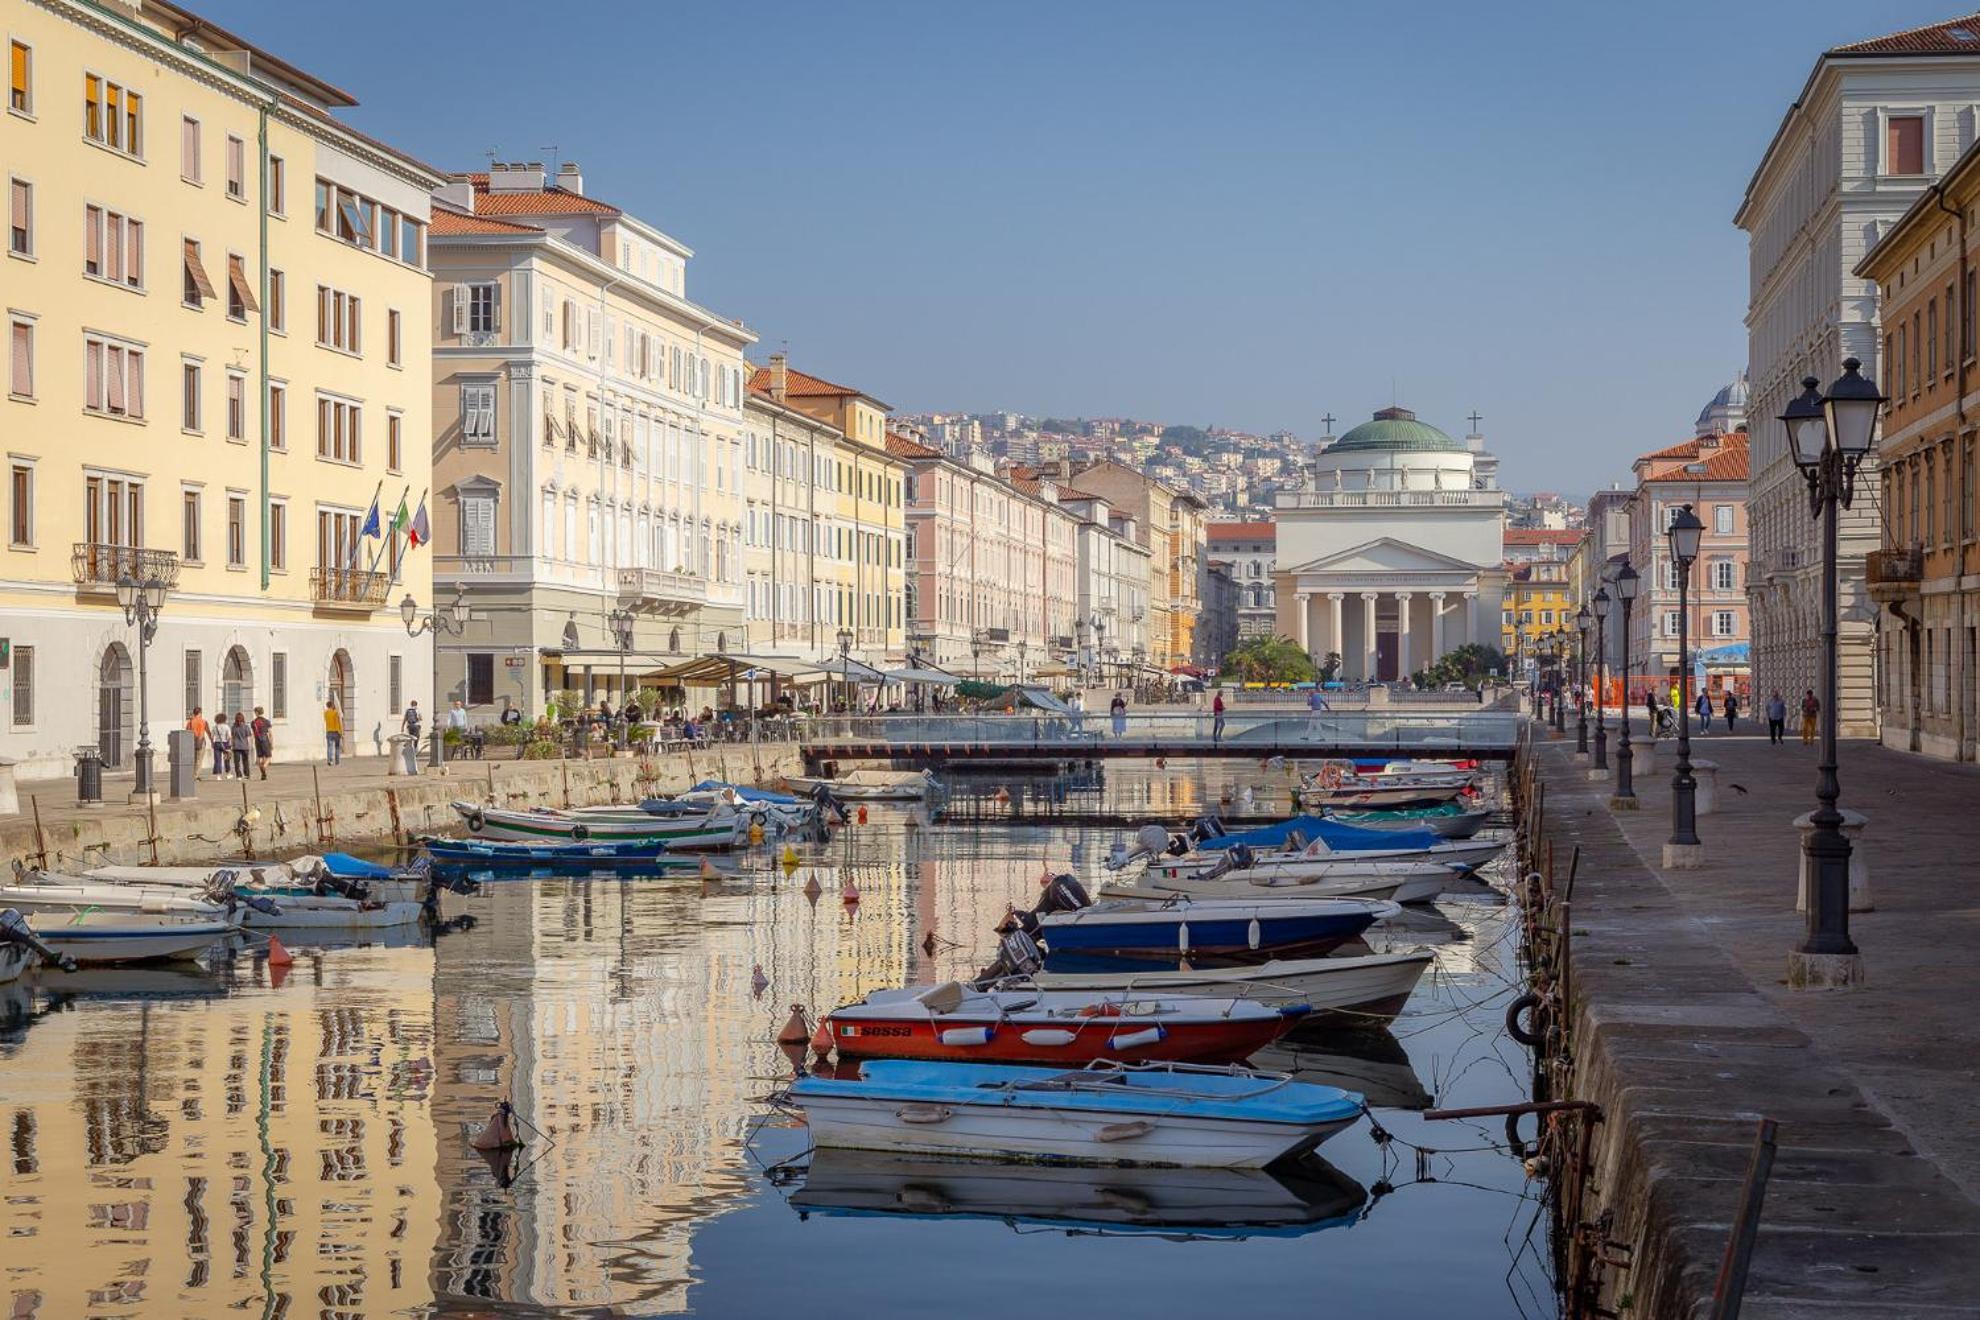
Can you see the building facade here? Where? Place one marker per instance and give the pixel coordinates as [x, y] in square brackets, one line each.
[1875, 123]
[1251, 549]
[215, 295]
[587, 451]
[790, 465]
[1169, 524]
[1390, 554]
[1710, 475]
[1115, 569]
[1928, 627]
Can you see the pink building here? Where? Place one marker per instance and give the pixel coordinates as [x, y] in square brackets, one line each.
[1709, 474]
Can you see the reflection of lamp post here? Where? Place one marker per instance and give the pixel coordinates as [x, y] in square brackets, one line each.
[845, 665]
[1829, 437]
[621, 622]
[451, 619]
[1601, 677]
[142, 602]
[1627, 583]
[1684, 534]
[1581, 622]
[1021, 646]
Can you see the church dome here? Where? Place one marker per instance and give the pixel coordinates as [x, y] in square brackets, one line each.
[1730, 400]
[1396, 429]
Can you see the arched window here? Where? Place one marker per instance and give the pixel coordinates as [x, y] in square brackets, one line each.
[342, 685]
[237, 683]
[674, 640]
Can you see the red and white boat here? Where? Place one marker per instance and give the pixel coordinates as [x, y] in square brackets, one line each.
[953, 1022]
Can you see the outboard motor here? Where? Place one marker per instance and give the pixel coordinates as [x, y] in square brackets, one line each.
[1018, 954]
[1241, 856]
[1062, 893]
[14, 930]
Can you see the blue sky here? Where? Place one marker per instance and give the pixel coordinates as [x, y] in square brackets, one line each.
[1246, 214]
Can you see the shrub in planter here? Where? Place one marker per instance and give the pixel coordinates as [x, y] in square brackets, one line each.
[541, 749]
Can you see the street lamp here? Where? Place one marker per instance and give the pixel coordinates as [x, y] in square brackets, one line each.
[1560, 646]
[621, 622]
[1601, 603]
[1628, 582]
[845, 665]
[1581, 622]
[142, 602]
[1829, 437]
[443, 620]
[1021, 647]
[1684, 534]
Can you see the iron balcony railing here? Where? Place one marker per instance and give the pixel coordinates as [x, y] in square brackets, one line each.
[99, 567]
[1897, 566]
[353, 587]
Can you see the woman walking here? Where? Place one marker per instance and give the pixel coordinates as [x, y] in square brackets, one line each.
[223, 747]
[243, 743]
[1811, 706]
[1118, 709]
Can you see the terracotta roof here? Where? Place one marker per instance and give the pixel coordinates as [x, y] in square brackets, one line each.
[549, 200]
[1952, 36]
[1729, 464]
[453, 222]
[798, 385]
[900, 445]
[1543, 536]
[1027, 485]
[1242, 531]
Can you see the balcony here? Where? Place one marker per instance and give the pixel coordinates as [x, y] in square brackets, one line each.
[348, 588]
[98, 567]
[660, 591]
[1895, 573]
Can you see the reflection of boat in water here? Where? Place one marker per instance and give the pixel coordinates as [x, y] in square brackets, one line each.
[1371, 1062]
[163, 981]
[1300, 1196]
[1412, 928]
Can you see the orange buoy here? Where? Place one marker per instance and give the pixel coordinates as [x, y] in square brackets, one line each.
[1161, 763]
[849, 892]
[812, 889]
[795, 1031]
[1003, 797]
[821, 1042]
[500, 1134]
[708, 871]
[279, 956]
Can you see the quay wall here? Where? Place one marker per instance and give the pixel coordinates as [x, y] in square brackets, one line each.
[290, 816]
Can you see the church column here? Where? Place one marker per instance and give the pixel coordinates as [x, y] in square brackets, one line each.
[1369, 659]
[1334, 599]
[1405, 636]
[1302, 603]
[1437, 626]
[1470, 630]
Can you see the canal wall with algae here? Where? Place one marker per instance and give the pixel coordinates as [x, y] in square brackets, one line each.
[300, 809]
[1647, 1017]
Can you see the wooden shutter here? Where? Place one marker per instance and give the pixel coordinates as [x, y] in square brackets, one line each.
[22, 380]
[1905, 153]
[196, 270]
[458, 301]
[494, 307]
[93, 239]
[237, 277]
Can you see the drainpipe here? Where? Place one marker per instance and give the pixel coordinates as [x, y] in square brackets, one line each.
[1960, 731]
[261, 147]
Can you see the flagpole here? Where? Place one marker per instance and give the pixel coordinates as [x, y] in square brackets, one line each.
[391, 529]
[357, 544]
[409, 521]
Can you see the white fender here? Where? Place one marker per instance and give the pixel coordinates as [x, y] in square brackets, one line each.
[1048, 1036]
[1182, 937]
[1251, 933]
[1134, 1040]
[967, 1035]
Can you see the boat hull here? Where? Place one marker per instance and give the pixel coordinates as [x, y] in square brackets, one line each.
[1039, 1040]
[1448, 824]
[14, 959]
[1369, 990]
[114, 940]
[1244, 931]
[679, 832]
[1383, 797]
[313, 912]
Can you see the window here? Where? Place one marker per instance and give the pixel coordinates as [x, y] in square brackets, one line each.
[237, 531]
[338, 316]
[1722, 519]
[240, 298]
[278, 302]
[278, 187]
[189, 418]
[395, 430]
[113, 247]
[1904, 144]
[478, 414]
[20, 86]
[339, 424]
[1950, 359]
[20, 506]
[113, 377]
[20, 379]
[278, 702]
[23, 686]
[236, 406]
[20, 217]
[481, 679]
[477, 309]
[1931, 339]
[278, 543]
[1966, 492]
[360, 221]
[338, 539]
[192, 682]
[1966, 319]
[1722, 623]
[113, 115]
[392, 337]
[236, 168]
[113, 511]
[1670, 623]
[189, 529]
[278, 416]
[394, 684]
[1913, 374]
[189, 149]
[198, 286]
[1725, 575]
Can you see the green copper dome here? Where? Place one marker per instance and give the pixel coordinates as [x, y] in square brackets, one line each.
[1396, 429]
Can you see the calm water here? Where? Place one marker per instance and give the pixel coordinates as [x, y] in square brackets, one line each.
[183, 1144]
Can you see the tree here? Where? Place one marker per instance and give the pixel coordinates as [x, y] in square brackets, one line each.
[1269, 660]
[1188, 437]
[1470, 664]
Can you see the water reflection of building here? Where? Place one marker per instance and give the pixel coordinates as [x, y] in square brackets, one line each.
[197, 1155]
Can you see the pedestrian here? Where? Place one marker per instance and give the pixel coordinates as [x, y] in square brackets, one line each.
[1732, 709]
[1118, 709]
[223, 747]
[264, 741]
[1650, 711]
[333, 732]
[1776, 718]
[1217, 720]
[511, 715]
[196, 725]
[243, 742]
[1810, 708]
[1704, 707]
[409, 725]
[1316, 700]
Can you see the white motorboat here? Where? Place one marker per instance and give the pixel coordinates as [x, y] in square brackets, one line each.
[871, 785]
[1318, 857]
[14, 959]
[47, 893]
[118, 937]
[302, 909]
[722, 827]
[1165, 1114]
[1405, 882]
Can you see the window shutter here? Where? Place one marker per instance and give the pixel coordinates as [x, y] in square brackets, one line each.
[93, 239]
[134, 244]
[459, 295]
[494, 307]
[22, 380]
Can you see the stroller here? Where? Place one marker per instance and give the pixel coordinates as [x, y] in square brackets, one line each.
[1663, 724]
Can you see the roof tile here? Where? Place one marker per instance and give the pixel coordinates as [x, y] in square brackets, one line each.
[1952, 36]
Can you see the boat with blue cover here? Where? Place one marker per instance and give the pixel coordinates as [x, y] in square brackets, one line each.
[495, 854]
[1106, 1113]
[1452, 820]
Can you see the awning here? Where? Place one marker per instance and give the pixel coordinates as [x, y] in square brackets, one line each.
[922, 677]
[722, 667]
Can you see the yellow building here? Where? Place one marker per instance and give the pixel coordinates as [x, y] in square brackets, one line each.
[1537, 605]
[218, 358]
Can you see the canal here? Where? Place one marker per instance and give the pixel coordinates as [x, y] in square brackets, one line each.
[294, 1144]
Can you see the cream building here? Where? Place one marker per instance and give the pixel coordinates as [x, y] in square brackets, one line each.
[214, 293]
[588, 443]
[1111, 628]
[1390, 555]
[1169, 524]
[790, 466]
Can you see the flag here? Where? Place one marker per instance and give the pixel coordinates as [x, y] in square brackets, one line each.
[399, 518]
[420, 533]
[370, 527]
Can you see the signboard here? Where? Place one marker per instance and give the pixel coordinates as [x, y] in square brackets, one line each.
[512, 662]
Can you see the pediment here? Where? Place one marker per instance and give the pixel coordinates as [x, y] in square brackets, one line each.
[1386, 555]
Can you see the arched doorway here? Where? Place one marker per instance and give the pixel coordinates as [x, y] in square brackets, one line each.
[342, 686]
[113, 706]
[237, 683]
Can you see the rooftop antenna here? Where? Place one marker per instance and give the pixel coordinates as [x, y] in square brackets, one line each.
[493, 153]
[551, 152]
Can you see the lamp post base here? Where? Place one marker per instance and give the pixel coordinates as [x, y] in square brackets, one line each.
[1621, 803]
[1684, 856]
[1824, 971]
[141, 799]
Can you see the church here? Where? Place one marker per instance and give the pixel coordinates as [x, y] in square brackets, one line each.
[1390, 552]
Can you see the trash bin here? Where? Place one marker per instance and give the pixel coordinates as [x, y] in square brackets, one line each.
[404, 757]
[89, 775]
[181, 761]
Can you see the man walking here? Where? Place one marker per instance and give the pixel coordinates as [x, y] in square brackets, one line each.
[199, 729]
[1217, 720]
[1732, 709]
[264, 741]
[409, 725]
[1704, 711]
[1776, 718]
[333, 732]
[1810, 708]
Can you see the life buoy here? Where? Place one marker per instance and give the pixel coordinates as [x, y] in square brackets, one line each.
[1330, 776]
[476, 822]
[1530, 1039]
[580, 832]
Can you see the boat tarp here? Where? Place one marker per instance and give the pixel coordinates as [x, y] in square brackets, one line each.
[1337, 836]
[746, 794]
[349, 867]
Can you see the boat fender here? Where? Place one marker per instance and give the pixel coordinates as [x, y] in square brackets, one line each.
[968, 1035]
[1182, 937]
[755, 832]
[1128, 1131]
[862, 815]
[1049, 1036]
[476, 822]
[923, 1113]
[1251, 934]
[1515, 1029]
[580, 832]
[1134, 1040]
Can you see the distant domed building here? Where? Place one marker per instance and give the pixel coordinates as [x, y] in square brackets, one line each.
[1390, 553]
[1726, 412]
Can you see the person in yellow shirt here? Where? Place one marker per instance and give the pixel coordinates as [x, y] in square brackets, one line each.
[333, 731]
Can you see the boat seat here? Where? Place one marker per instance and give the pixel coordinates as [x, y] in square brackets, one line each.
[944, 998]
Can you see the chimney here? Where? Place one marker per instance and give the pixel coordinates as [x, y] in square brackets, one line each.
[516, 177]
[457, 193]
[780, 376]
[570, 178]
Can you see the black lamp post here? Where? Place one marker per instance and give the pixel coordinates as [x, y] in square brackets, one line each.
[1627, 584]
[1684, 534]
[442, 620]
[1581, 621]
[845, 668]
[142, 602]
[1829, 437]
[1560, 680]
[1601, 603]
[621, 623]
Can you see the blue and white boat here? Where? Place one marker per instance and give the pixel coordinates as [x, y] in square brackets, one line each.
[1150, 1114]
[1207, 932]
[495, 854]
